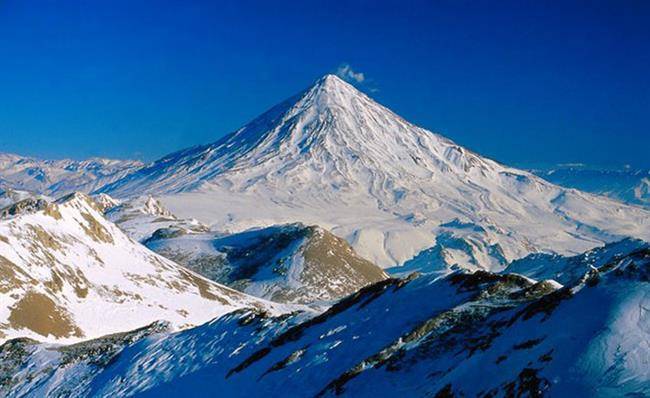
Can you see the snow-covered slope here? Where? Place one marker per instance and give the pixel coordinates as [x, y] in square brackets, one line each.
[625, 184]
[142, 216]
[67, 274]
[60, 177]
[286, 263]
[333, 157]
[463, 335]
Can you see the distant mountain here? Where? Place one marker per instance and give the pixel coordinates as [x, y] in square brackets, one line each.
[333, 157]
[60, 177]
[286, 264]
[463, 335]
[141, 217]
[67, 274]
[567, 270]
[625, 184]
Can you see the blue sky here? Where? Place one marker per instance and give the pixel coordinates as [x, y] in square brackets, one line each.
[523, 82]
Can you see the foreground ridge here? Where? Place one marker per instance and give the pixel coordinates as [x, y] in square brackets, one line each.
[466, 334]
[68, 274]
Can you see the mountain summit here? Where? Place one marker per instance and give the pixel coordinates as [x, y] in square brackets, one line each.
[330, 130]
[398, 193]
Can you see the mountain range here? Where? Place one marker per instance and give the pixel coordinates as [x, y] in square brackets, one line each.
[333, 157]
[467, 334]
[328, 247]
[68, 274]
[627, 184]
[61, 177]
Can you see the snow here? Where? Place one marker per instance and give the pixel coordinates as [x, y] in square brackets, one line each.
[566, 270]
[103, 280]
[59, 177]
[333, 157]
[142, 216]
[569, 317]
[467, 334]
[10, 196]
[271, 262]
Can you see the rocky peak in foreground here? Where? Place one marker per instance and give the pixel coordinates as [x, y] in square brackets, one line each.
[68, 274]
[466, 334]
[290, 263]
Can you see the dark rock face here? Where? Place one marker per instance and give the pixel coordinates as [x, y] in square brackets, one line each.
[287, 263]
[25, 206]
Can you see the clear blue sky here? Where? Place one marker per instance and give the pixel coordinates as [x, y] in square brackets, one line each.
[522, 82]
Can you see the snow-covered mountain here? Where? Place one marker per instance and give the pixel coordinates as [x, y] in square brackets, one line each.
[464, 335]
[333, 157]
[105, 202]
[625, 184]
[565, 269]
[282, 263]
[60, 177]
[67, 274]
[286, 263]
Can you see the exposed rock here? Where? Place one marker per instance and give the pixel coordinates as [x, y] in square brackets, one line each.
[25, 206]
[463, 335]
[67, 274]
[289, 263]
[38, 313]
